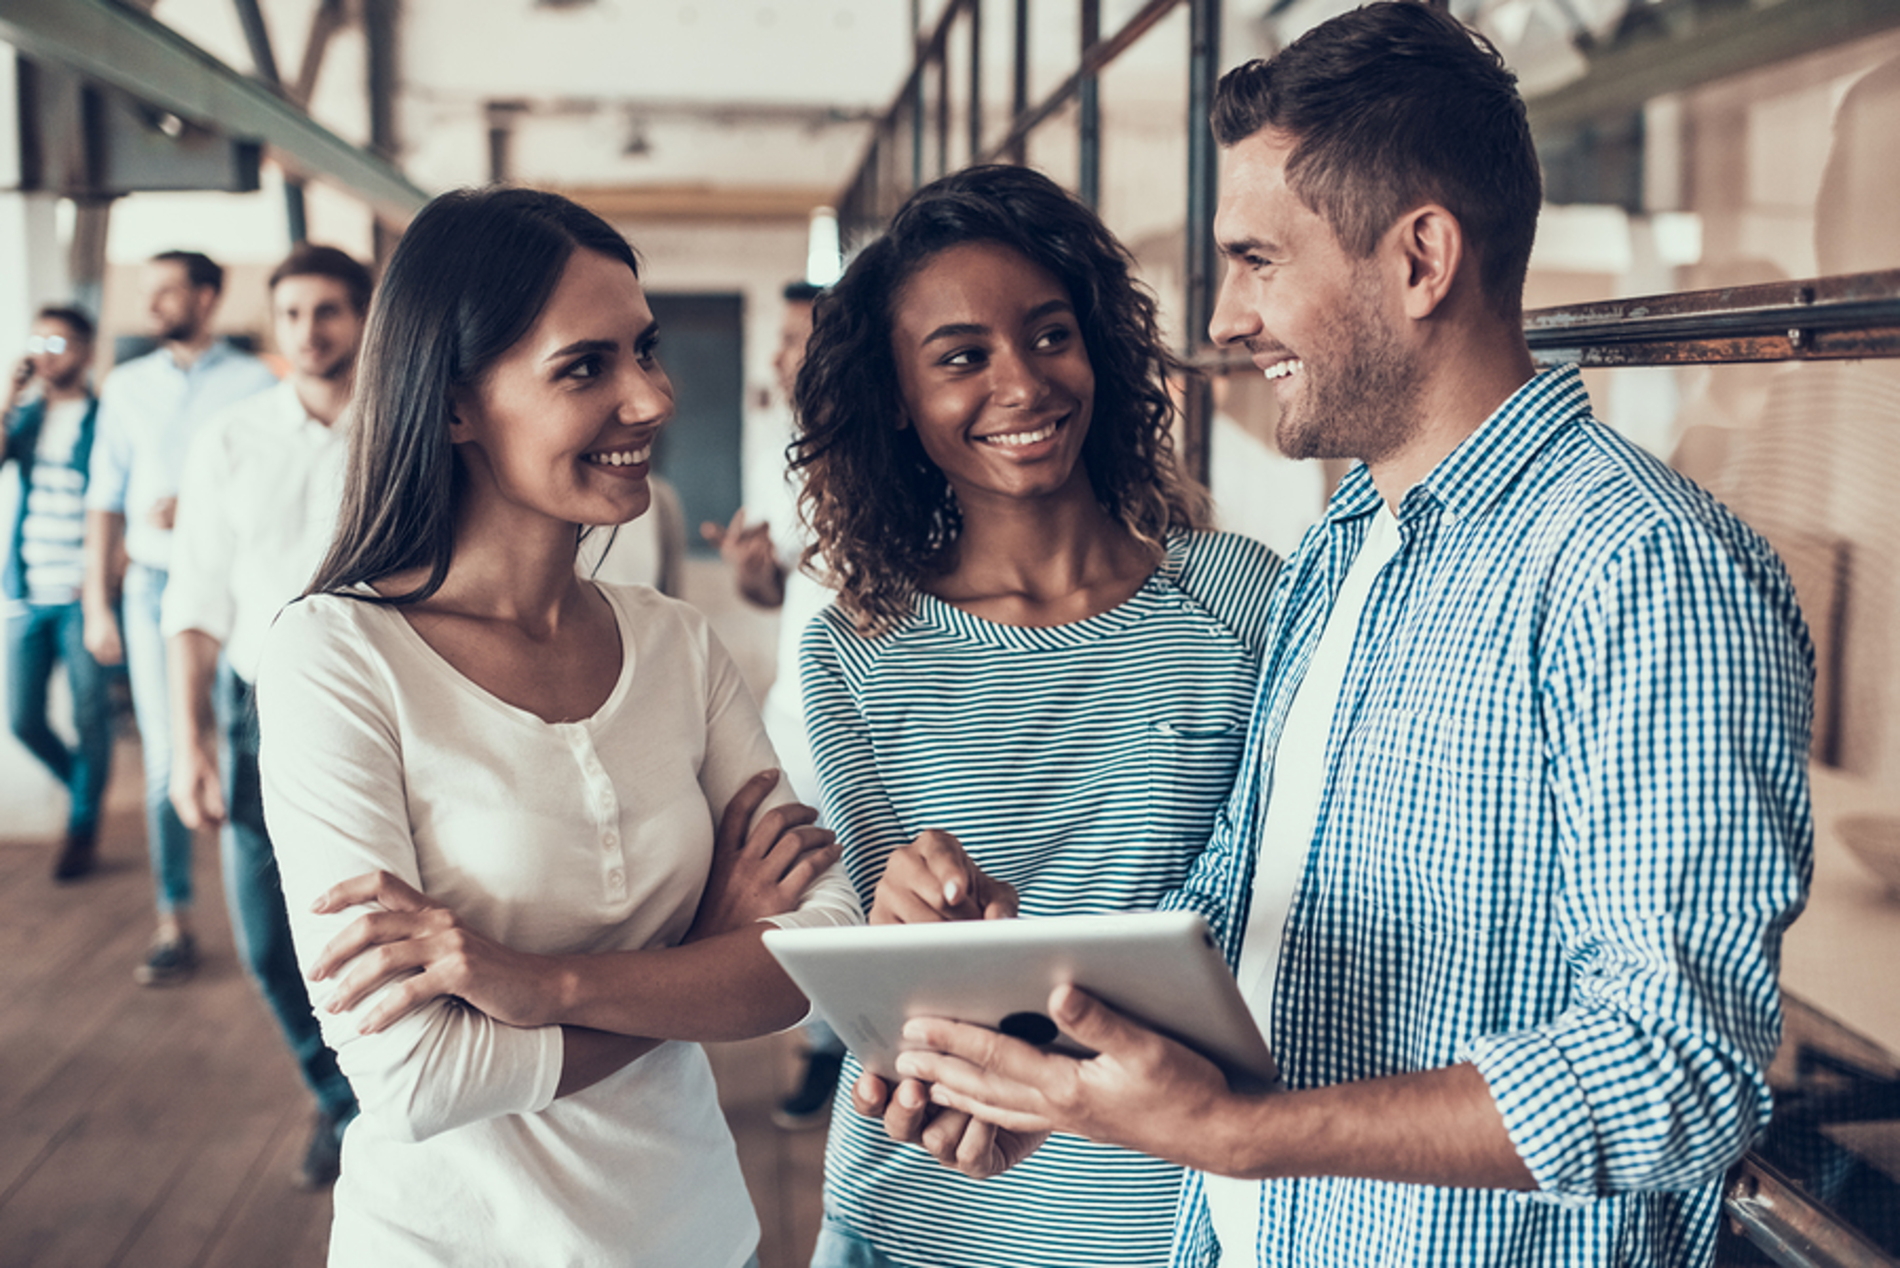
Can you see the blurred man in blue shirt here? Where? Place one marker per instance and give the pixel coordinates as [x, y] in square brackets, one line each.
[147, 411]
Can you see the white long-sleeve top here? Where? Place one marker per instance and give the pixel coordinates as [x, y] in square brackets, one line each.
[574, 837]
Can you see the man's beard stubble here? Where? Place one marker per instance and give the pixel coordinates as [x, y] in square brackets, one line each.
[1361, 399]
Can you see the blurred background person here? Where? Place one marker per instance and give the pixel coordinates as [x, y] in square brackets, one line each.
[147, 410]
[763, 546]
[257, 507]
[49, 441]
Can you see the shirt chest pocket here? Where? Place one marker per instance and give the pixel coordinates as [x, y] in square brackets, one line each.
[1436, 818]
[1191, 761]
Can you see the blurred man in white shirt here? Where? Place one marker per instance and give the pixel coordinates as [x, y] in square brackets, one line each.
[257, 508]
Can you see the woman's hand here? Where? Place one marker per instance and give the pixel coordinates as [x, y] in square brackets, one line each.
[419, 940]
[934, 879]
[968, 1145]
[760, 869]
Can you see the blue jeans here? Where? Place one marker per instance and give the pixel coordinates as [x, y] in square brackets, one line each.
[166, 837]
[840, 1248]
[819, 1036]
[255, 896]
[36, 639]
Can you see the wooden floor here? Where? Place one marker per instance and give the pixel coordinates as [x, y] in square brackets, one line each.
[161, 1128]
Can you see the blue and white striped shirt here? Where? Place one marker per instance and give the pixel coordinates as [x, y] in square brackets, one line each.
[1082, 763]
[1565, 822]
[53, 530]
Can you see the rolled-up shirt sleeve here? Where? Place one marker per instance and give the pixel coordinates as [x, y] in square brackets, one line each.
[334, 799]
[1677, 710]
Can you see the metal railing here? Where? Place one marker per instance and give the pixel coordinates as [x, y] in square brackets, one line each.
[1848, 317]
[898, 158]
[1791, 1228]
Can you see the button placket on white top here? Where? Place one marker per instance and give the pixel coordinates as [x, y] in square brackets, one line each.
[605, 804]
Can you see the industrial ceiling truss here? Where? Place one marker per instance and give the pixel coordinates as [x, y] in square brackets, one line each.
[145, 82]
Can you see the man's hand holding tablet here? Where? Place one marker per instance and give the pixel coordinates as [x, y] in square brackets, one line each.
[886, 990]
[1137, 1091]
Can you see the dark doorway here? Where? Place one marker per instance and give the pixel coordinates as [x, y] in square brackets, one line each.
[702, 350]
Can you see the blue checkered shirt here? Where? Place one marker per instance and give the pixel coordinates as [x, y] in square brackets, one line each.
[1565, 822]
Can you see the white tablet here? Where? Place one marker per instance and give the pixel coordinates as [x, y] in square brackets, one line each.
[1160, 967]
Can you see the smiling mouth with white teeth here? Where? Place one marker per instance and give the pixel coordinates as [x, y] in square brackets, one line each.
[1017, 439]
[1280, 369]
[618, 457]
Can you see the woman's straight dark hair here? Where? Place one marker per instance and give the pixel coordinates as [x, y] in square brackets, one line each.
[468, 279]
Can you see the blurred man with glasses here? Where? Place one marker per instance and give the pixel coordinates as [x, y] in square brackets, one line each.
[50, 410]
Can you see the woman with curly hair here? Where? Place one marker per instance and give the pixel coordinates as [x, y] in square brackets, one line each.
[1034, 685]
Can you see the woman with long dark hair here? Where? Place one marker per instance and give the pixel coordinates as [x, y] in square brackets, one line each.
[543, 788]
[1035, 683]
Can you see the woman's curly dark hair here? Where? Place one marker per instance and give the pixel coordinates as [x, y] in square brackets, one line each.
[883, 516]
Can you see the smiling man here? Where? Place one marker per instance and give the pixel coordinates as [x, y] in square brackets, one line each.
[1524, 810]
[256, 511]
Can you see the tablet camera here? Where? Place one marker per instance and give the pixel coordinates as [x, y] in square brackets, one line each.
[1033, 1028]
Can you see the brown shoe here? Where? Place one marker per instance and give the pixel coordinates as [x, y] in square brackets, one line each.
[77, 858]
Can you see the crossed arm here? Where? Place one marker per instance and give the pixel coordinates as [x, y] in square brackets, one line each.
[439, 1025]
[720, 983]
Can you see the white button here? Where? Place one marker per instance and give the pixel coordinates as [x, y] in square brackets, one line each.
[610, 837]
[617, 878]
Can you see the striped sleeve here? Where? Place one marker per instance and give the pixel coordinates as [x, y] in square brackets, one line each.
[855, 803]
[1232, 577]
